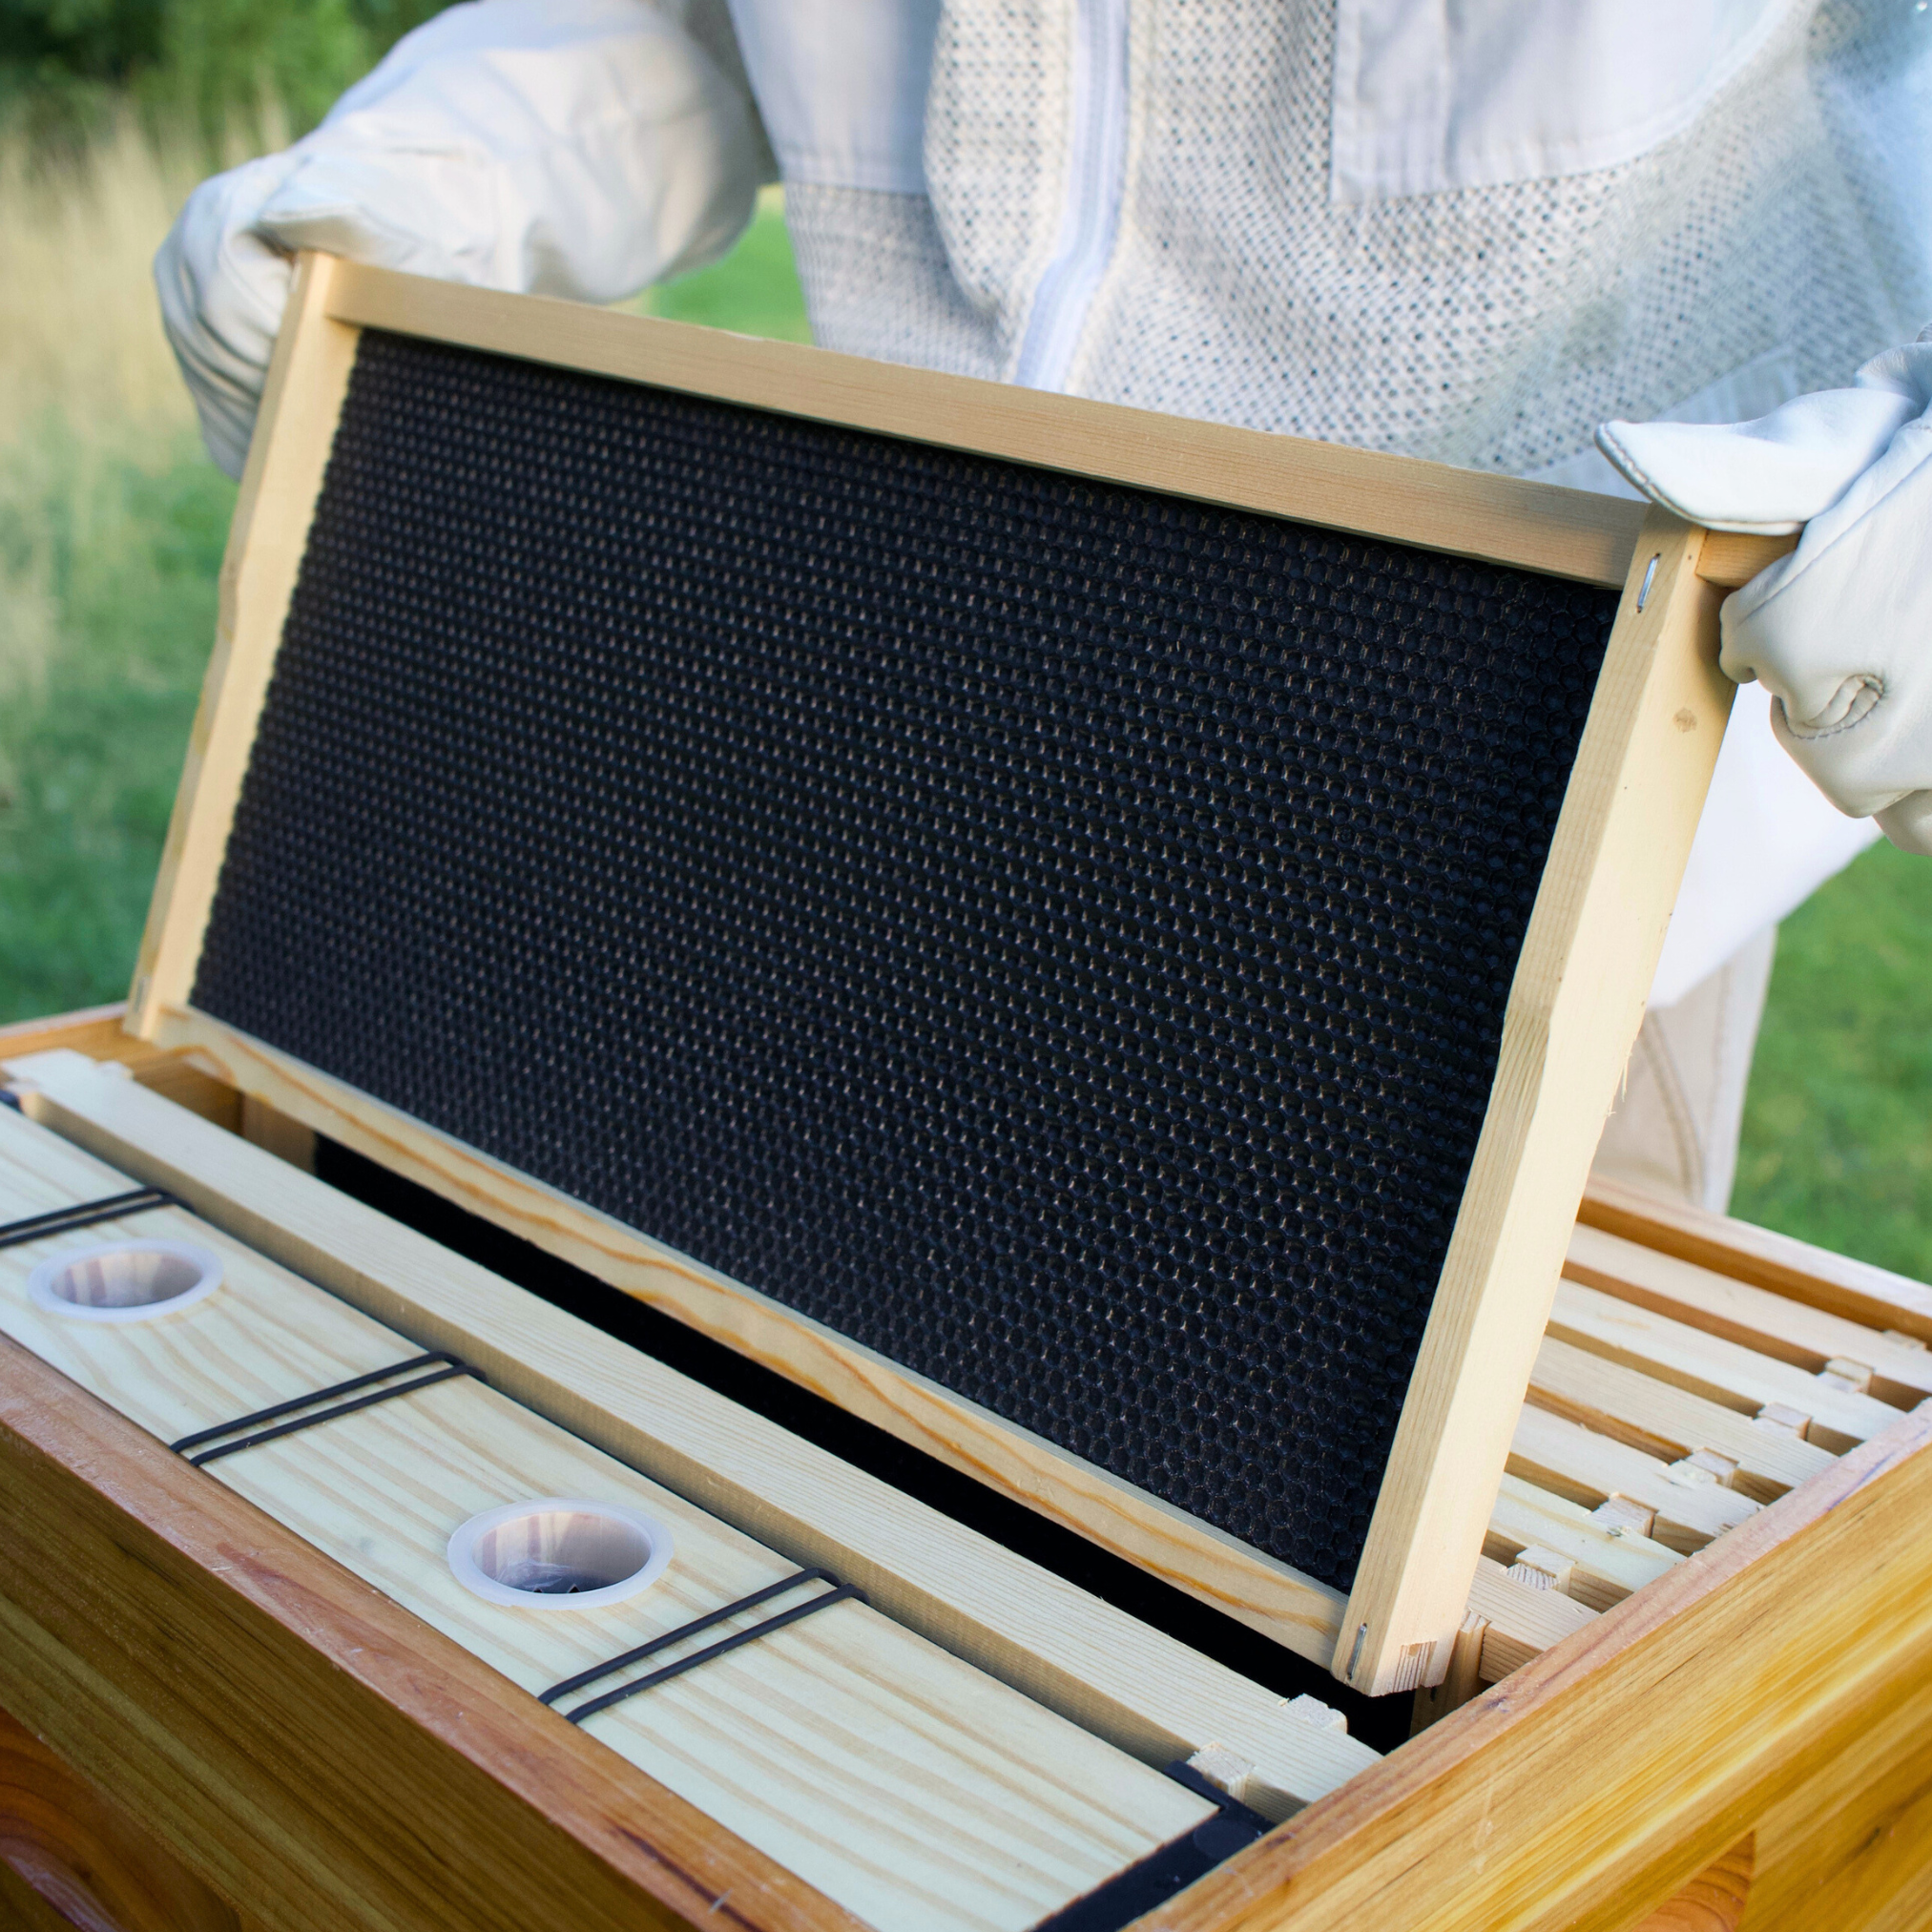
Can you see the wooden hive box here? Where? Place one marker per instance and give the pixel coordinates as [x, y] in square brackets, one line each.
[1668, 1615]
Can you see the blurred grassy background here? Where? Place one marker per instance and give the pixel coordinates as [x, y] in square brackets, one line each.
[112, 525]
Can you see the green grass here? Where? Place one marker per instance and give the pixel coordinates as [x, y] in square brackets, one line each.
[106, 600]
[117, 556]
[1838, 1122]
[91, 743]
[754, 290]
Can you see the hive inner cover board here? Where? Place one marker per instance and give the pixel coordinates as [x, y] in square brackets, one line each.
[1055, 934]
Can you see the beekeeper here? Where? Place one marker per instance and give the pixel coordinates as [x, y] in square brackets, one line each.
[1469, 230]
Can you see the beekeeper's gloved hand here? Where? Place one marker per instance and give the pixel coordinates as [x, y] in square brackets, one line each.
[581, 148]
[1840, 631]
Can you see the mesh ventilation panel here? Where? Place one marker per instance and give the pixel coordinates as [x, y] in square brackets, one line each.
[1057, 935]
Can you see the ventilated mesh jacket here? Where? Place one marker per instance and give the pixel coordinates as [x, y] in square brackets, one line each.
[1782, 224]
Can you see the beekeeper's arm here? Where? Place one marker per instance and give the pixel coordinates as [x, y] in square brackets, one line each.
[1840, 631]
[578, 148]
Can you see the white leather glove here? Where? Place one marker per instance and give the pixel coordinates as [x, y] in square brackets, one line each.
[580, 148]
[1840, 631]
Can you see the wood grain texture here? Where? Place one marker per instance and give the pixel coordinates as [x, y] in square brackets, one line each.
[1270, 1596]
[96, 1031]
[1733, 557]
[1575, 1004]
[1609, 1563]
[1755, 1318]
[1037, 1633]
[1714, 1901]
[1855, 1290]
[899, 1781]
[1850, 1847]
[1537, 527]
[100, 1033]
[1146, 1694]
[301, 398]
[23, 1909]
[1844, 1845]
[310, 1749]
[1565, 1459]
[85, 1858]
[1723, 1371]
[1434, 1702]
[1519, 1623]
[1669, 1422]
[1599, 1780]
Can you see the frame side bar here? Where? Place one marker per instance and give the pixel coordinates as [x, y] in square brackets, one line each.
[301, 402]
[1615, 863]
[1533, 526]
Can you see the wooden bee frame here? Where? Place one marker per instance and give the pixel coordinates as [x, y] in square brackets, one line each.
[1631, 805]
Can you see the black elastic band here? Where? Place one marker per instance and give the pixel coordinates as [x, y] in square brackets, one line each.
[83, 1214]
[840, 1592]
[453, 1368]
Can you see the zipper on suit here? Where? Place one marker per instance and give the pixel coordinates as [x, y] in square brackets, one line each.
[1089, 213]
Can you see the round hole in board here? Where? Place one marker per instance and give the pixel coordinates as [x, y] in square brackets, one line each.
[554, 1552]
[124, 1280]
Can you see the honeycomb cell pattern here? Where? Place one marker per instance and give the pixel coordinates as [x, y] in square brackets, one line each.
[1055, 934]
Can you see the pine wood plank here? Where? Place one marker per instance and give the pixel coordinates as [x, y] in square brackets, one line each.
[100, 1033]
[1846, 1849]
[1578, 1796]
[1521, 1623]
[1609, 1563]
[1435, 1701]
[1667, 1422]
[1270, 1596]
[1575, 1004]
[1720, 1371]
[1755, 1317]
[310, 1749]
[1814, 1277]
[1105, 1671]
[94, 1030]
[1566, 533]
[1568, 1460]
[899, 1781]
[23, 1909]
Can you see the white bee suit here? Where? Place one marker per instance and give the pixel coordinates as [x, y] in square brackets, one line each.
[1467, 230]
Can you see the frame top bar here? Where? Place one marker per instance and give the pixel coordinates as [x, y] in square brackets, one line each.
[1467, 512]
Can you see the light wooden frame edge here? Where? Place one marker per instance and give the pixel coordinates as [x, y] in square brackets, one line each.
[1595, 932]
[302, 400]
[1501, 519]
[1413, 1579]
